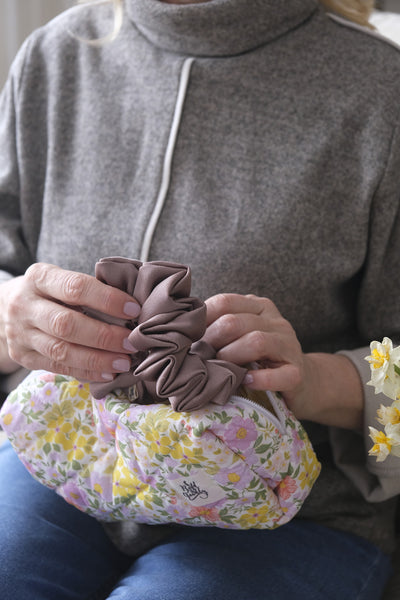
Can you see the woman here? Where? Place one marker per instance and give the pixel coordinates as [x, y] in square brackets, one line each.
[238, 137]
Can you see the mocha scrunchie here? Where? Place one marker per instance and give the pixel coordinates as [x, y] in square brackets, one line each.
[172, 363]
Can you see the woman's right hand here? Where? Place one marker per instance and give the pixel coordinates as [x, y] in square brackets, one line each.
[41, 328]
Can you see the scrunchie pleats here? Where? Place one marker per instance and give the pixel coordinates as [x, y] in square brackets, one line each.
[172, 362]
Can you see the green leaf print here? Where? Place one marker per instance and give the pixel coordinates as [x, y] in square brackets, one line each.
[58, 379]
[262, 449]
[223, 417]
[157, 500]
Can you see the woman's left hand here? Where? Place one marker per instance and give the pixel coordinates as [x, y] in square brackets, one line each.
[248, 329]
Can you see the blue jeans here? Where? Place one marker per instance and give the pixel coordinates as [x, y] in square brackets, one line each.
[51, 551]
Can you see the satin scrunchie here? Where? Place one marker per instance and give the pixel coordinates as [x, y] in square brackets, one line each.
[172, 362]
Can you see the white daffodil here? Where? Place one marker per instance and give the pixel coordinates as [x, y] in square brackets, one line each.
[384, 361]
[392, 432]
[385, 442]
[382, 446]
[389, 415]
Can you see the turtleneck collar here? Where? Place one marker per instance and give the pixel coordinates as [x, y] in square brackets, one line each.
[217, 27]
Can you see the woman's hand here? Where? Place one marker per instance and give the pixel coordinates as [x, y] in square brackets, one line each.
[325, 388]
[41, 327]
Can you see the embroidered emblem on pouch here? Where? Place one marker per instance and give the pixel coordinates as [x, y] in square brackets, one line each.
[199, 490]
[191, 491]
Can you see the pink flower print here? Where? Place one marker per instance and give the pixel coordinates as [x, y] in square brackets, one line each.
[297, 445]
[240, 433]
[101, 484]
[49, 392]
[45, 376]
[204, 512]
[177, 510]
[75, 496]
[286, 488]
[237, 476]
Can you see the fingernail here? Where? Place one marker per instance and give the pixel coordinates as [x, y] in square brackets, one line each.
[132, 309]
[128, 346]
[107, 376]
[122, 365]
[248, 379]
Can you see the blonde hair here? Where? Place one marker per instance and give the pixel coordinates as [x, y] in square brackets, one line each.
[358, 11]
[118, 16]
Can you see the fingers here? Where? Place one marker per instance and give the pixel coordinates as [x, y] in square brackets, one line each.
[225, 330]
[225, 304]
[69, 359]
[247, 330]
[36, 349]
[79, 289]
[44, 331]
[232, 316]
[285, 377]
[63, 323]
[255, 346]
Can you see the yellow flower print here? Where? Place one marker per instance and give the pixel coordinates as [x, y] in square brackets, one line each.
[78, 446]
[125, 483]
[187, 455]
[255, 516]
[7, 419]
[62, 433]
[310, 468]
[241, 433]
[304, 479]
[59, 413]
[75, 388]
[57, 432]
[158, 443]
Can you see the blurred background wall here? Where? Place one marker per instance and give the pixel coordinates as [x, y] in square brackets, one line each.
[19, 17]
[388, 5]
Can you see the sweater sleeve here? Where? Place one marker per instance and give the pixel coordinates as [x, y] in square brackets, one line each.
[14, 253]
[377, 481]
[378, 316]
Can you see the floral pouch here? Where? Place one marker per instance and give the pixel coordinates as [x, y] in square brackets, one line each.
[175, 440]
[241, 465]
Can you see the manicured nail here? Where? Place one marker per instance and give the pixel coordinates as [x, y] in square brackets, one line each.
[248, 379]
[107, 376]
[121, 365]
[128, 346]
[132, 309]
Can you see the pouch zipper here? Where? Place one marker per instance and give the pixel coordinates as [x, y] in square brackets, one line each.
[276, 419]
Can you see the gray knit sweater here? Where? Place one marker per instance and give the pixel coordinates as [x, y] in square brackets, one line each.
[255, 140]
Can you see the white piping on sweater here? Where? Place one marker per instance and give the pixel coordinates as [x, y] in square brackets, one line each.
[169, 154]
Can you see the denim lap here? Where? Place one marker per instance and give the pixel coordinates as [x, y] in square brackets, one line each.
[300, 560]
[49, 550]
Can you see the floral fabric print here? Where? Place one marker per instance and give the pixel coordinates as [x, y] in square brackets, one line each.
[234, 466]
